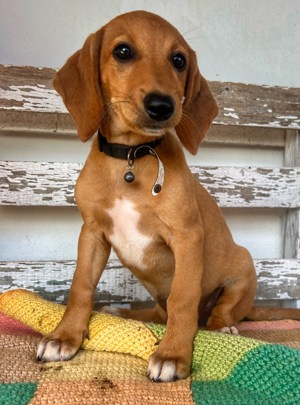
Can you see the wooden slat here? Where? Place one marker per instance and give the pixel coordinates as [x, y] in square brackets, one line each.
[249, 104]
[53, 279]
[292, 223]
[52, 184]
[27, 90]
[251, 187]
[38, 183]
[277, 279]
[245, 136]
[44, 123]
[292, 234]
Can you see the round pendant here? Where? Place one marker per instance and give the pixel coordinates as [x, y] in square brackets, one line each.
[129, 177]
[157, 188]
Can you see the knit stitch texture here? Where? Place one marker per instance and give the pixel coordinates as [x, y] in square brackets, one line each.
[226, 370]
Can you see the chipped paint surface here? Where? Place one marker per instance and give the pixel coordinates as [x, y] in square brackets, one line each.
[277, 279]
[233, 115]
[52, 184]
[251, 187]
[33, 98]
[52, 280]
[288, 117]
[30, 89]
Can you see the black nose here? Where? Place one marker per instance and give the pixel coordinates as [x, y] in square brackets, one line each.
[159, 107]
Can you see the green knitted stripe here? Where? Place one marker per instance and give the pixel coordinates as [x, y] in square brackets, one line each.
[156, 329]
[215, 354]
[16, 393]
[267, 375]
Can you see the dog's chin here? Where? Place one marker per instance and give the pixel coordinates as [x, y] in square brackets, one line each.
[154, 131]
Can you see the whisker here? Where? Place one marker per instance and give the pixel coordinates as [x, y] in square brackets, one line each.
[187, 118]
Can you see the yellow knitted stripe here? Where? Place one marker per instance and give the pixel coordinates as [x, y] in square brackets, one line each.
[106, 332]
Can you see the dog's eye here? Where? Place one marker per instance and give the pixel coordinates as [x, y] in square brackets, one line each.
[123, 52]
[178, 61]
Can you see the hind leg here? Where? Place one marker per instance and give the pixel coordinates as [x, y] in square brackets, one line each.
[233, 305]
[235, 301]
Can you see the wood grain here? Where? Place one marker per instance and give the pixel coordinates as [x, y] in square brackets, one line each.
[277, 279]
[52, 184]
[29, 89]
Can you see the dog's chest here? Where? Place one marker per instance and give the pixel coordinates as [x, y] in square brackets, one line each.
[127, 238]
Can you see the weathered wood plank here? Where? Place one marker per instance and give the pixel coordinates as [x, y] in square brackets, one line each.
[30, 89]
[52, 184]
[277, 279]
[251, 187]
[292, 222]
[245, 136]
[53, 279]
[43, 183]
[44, 123]
[38, 183]
[292, 234]
[254, 105]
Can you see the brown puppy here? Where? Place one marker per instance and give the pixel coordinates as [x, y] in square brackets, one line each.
[137, 80]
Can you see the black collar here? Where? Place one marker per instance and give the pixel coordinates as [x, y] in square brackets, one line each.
[125, 152]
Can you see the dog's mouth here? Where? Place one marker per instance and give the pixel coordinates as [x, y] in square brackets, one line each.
[154, 131]
[140, 121]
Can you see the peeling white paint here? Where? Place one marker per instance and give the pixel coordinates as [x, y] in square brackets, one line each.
[294, 125]
[270, 110]
[52, 184]
[287, 117]
[283, 296]
[52, 277]
[233, 115]
[274, 123]
[33, 98]
[56, 277]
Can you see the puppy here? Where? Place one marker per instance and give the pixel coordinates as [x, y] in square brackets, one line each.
[136, 82]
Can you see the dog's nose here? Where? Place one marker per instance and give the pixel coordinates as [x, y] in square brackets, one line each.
[159, 107]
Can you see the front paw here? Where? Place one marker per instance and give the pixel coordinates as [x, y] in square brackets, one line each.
[59, 347]
[163, 367]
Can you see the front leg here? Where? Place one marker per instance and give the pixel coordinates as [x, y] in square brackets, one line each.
[172, 360]
[66, 339]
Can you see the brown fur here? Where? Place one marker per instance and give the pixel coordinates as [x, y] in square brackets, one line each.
[192, 254]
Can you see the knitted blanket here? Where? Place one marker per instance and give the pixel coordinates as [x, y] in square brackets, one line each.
[110, 368]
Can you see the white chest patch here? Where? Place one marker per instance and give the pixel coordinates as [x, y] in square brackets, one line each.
[126, 237]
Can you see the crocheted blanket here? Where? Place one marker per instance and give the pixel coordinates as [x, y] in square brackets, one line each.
[226, 370]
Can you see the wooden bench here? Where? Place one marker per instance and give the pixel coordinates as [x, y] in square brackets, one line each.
[250, 115]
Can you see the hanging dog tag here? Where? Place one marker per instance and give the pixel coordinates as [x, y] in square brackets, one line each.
[129, 176]
[156, 189]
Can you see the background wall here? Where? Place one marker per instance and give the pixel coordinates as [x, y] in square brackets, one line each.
[251, 41]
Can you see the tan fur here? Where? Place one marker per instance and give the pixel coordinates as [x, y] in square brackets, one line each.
[187, 252]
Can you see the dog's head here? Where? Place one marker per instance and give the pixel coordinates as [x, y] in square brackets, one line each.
[137, 75]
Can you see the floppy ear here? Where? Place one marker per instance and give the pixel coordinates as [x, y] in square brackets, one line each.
[199, 108]
[78, 82]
